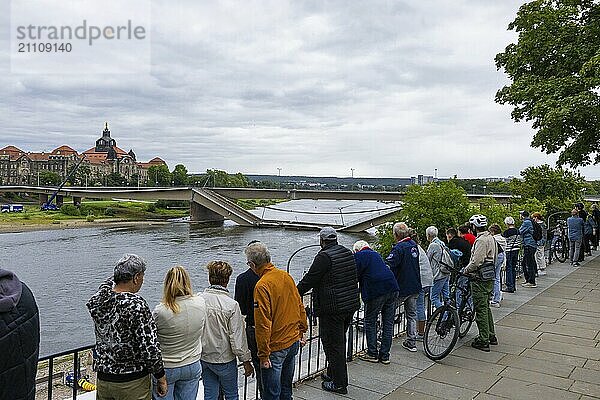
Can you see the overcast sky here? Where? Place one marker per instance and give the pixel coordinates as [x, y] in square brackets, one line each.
[389, 88]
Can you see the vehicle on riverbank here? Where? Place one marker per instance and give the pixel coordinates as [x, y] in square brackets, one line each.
[8, 208]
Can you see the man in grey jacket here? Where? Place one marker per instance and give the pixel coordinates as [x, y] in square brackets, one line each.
[484, 251]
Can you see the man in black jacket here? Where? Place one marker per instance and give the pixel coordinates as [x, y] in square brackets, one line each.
[332, 276]
[19, 339]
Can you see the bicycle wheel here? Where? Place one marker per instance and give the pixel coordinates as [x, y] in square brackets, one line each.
[466, 316]
[559, 249]
[441, 333]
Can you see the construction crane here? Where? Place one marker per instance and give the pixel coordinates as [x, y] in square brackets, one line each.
[48, 205]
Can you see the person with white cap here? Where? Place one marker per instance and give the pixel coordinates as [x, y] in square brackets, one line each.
[332, 276]
[379, 291]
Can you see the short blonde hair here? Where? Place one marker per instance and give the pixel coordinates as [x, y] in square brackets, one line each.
[219, 272]
[177, 283]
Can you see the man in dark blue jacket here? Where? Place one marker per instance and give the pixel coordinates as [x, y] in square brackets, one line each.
[404, 263]
[19, 339]
[379, 292]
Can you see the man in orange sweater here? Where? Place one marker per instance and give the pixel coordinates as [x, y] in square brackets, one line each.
[280, 321]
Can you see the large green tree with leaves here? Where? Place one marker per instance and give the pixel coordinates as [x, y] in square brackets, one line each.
[554, 68]
[180, 175]
[159, 175]
[442, 204]
[556, 188]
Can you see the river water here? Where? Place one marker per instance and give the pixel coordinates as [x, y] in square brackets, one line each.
[64, 268]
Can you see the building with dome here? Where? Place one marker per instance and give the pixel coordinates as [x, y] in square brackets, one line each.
[18, 167]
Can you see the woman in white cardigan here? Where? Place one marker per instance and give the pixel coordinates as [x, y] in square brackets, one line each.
[180, 319]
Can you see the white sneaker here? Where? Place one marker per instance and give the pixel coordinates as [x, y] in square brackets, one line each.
[542, 272]
[494, 304]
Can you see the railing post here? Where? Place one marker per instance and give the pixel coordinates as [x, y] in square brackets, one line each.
[50, 373]
[75, 374]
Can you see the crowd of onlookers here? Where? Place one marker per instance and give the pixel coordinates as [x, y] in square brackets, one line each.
[143, 354]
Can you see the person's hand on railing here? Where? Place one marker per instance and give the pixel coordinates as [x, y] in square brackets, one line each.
[248, 369]
[302, 341]
[161, 386]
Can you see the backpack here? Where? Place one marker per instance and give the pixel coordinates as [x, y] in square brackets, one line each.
[449, 261]
[537, 231]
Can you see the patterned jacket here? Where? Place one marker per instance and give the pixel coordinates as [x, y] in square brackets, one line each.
[127, 347]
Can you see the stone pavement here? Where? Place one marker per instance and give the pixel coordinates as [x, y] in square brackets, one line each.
[549, 348]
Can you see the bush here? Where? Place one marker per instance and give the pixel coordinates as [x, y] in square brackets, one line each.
[90, 218]
[151, 208]
[70, 209]
[110, 212]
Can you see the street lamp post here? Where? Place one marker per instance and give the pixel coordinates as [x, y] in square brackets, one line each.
[352, 172]
[484, 187]
[473, 189]
[435, 175]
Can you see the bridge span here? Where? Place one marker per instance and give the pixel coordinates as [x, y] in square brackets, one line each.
[216, 204]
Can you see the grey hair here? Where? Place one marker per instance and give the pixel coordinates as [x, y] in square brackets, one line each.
[129, 266]
[258, 254]
[400, 230]
[431, 232]
[359, 245]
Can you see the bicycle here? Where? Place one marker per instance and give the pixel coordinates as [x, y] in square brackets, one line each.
[447, 323]
[560, 243]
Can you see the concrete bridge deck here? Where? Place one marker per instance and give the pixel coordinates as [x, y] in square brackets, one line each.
[549, 347]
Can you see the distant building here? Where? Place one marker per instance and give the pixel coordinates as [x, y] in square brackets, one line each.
[505, 180]
[422, 179]
[18, 167]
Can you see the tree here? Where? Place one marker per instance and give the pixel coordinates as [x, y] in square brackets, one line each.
[555, 72]
[556, 188]
[49, 178]
[159, 175]
[115, 179]
[180, 175]
[218, 178]
[442, 204]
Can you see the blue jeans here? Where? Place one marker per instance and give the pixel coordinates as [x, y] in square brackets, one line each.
[421, 304]
[217, 376]
[463, 282]
[441, 286]
[410, 313]
[277, 380]
[496, 294]
[182, 382]
[386, 305]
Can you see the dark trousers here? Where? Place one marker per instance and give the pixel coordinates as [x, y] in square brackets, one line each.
[332, 330]
[529, 265]
[251, 336]
[512, 259]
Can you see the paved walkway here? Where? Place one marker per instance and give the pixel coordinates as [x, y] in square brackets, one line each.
[549, 348]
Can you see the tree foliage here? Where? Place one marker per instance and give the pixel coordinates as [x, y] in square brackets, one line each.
[49, 178]
[557, 189]
[180, 175]
[218, 178]
[159, 175]
[441, 204]
[555, 72]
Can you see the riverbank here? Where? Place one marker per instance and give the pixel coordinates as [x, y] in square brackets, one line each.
[76, 224]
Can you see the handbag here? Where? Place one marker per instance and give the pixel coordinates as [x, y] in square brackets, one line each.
[487, 271]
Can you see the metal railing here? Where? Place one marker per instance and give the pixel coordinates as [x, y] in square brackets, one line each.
[310, 361]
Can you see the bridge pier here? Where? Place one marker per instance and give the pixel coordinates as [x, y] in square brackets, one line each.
[77, 201]
[199, 213]
[43, 198]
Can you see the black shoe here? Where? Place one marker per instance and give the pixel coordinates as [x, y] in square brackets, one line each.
[493, 340]
[326, 377]
[509, 290]
[476, 344]
[330, 387]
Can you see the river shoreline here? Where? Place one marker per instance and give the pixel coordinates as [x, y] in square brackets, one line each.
[77, 224]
